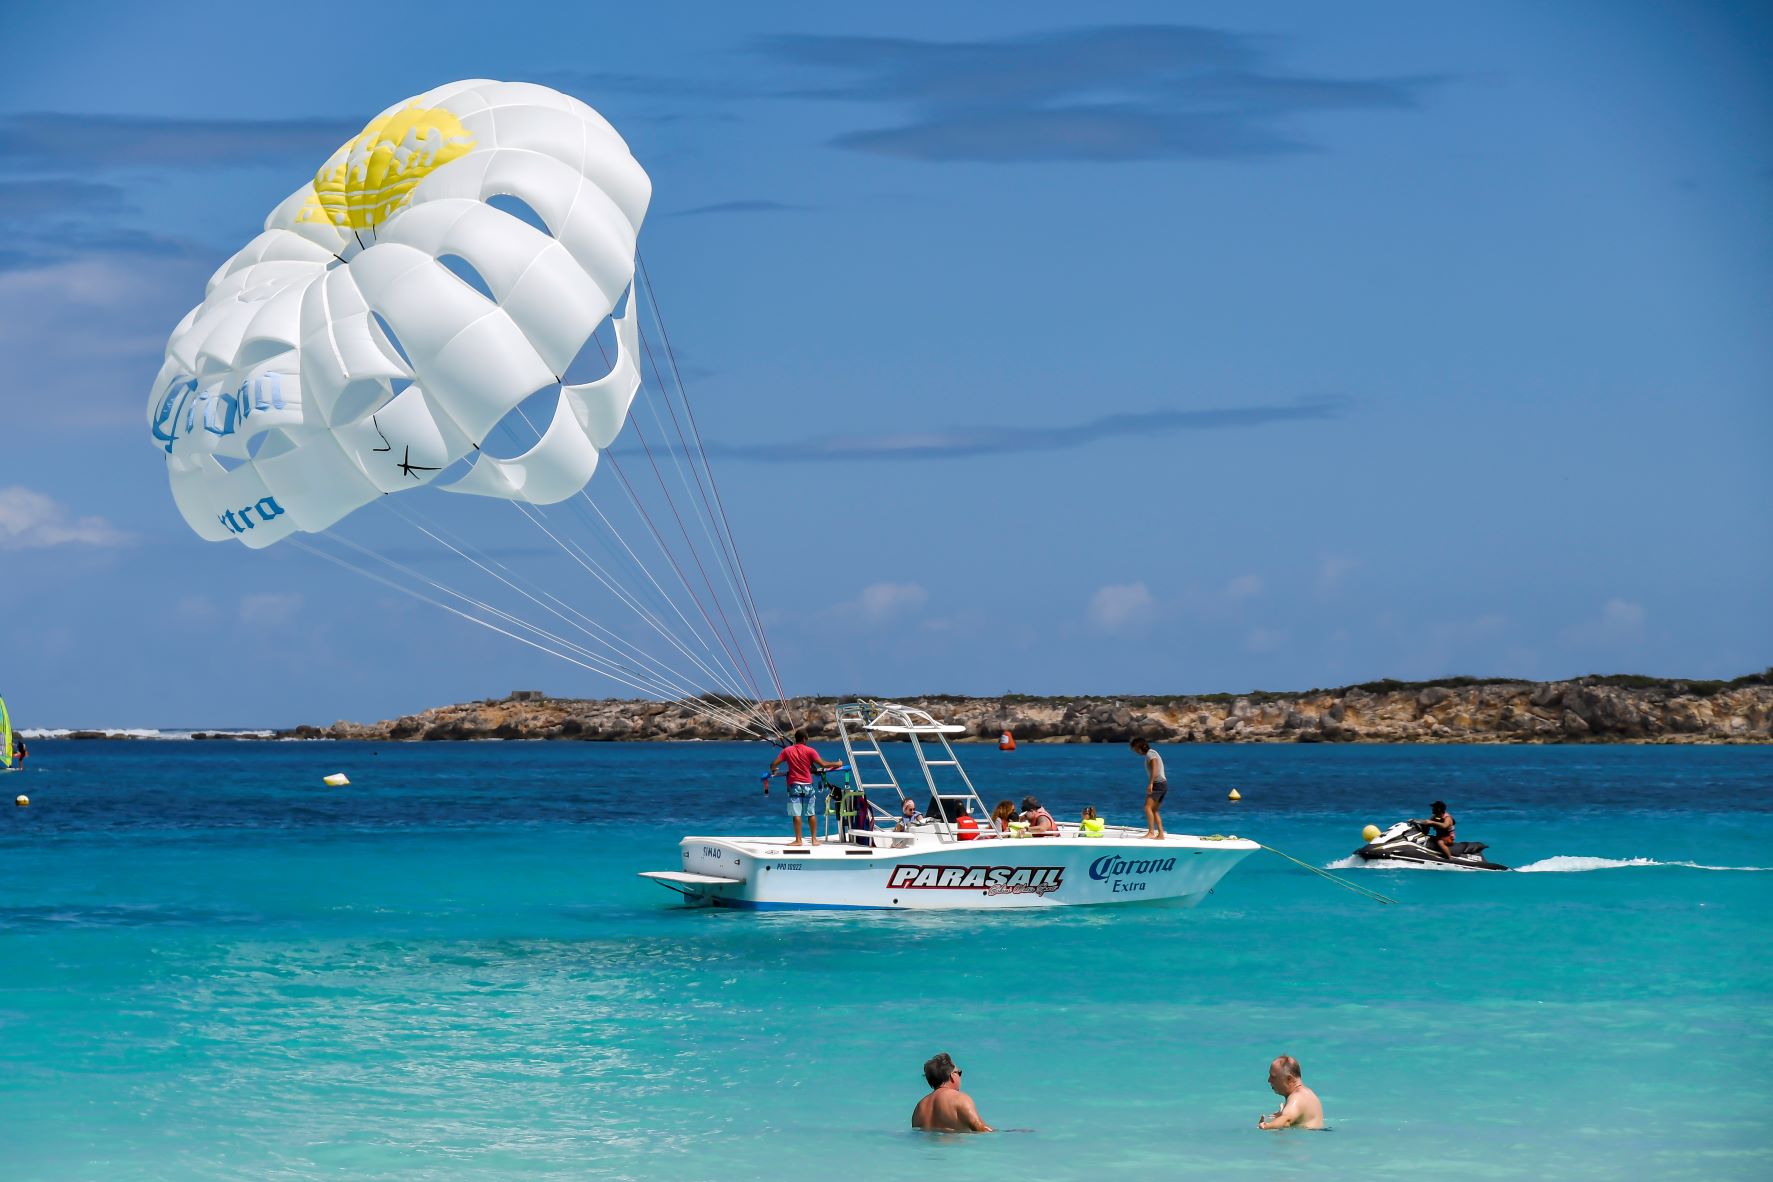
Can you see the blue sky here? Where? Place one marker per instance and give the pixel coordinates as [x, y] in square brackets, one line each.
[1136, 348]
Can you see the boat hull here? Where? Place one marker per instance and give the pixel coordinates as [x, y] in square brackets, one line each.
[1003, 874]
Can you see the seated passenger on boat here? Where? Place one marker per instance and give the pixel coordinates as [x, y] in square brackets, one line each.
[1002, 815]
[908, 816]
[1040, 822]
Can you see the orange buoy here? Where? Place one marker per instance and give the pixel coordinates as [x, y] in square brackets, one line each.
[967, 827]
[1006, 741]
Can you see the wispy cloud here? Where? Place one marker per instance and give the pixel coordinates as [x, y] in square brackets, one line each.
[29, 246]
[58, 197]
[30, 521]
[1108, 93]
[1332, 569]
[964, 442]
[1619, 624]
[1264, 640]
[271, 609]
[879, 604]
[757, 206]
[46, 220]
[594, 86]
[97, 144]
[1244, 587]
[1119, 606]
[96, 322]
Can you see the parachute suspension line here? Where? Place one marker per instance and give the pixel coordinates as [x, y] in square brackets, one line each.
[702, 518]
[597, 668]
[738, 658]
[705, 514]
[659, 540]
[638, 562]
[713, 484]
[641, 565]
[695, 555]
[665, 549]
[721, 678]
[732, 696]
[605, 665]
[728, 682]
[578, 555]
[705, 520]
[672, 681]
[667, 678]
[586, 502]
[591, 661]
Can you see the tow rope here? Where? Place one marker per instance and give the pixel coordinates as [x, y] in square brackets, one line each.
[1317, 870]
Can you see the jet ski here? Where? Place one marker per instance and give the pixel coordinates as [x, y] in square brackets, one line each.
[1407, 841]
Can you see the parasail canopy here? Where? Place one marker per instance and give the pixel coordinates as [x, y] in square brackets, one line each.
[394, 311]
[439, 277]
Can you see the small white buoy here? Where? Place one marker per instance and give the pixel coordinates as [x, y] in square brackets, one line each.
[22, 800]
[1234, 794]
[336, 780]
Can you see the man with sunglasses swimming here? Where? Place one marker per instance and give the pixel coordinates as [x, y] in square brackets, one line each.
[946, 1109]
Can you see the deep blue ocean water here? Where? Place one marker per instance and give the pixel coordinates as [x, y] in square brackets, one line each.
[213, 967]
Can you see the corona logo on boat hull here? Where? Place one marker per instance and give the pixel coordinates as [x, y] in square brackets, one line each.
[1113, 865]
[989, 880]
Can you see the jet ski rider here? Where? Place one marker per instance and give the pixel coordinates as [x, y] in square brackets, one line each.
[1442, 824]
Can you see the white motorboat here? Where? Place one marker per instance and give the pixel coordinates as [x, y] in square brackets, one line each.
[952, 858]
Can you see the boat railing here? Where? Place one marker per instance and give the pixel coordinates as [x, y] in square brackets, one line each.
[860, 725]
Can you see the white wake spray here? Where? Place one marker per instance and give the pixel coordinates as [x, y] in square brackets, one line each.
[1567, 864]
[1562, 864]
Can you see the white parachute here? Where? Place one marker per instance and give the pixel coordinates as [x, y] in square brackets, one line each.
[440, 271]
[340, 355]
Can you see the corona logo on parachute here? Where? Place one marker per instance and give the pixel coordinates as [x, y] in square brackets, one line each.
[341, 355]
[383, 164]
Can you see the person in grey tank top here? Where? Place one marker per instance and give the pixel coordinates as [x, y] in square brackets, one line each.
[1156, 787]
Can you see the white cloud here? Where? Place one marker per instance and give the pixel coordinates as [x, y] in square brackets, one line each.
[878, 604]
[1332, 569]
[882, 601]
[99, 322]
[195, 610]
[1244, 587]
[1620, 622]
[30, 520]
[1264, 640]
[1119, 606]
[271, 608]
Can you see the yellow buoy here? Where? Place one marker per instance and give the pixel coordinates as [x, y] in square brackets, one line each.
[1370, 833]
[22, 801]
[336, 780]
[1234, 794]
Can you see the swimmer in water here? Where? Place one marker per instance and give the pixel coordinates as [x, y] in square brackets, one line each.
[946, 1109]
[1302, 1110]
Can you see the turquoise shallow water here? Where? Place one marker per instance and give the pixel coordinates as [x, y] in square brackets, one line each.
[212, 967]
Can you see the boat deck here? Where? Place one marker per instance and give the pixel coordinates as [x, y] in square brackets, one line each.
[889, 843]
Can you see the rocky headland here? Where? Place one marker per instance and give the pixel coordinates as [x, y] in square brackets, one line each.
[1612, 709]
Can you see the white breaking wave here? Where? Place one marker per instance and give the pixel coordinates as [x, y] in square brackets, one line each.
[1568, 864]
[113, 732]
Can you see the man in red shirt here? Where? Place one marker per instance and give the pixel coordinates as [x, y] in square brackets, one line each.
[802, 761]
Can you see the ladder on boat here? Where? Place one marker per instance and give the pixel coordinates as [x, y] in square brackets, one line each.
[859, 727]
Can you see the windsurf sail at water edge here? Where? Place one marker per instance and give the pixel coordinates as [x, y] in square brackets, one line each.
[5, 737]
